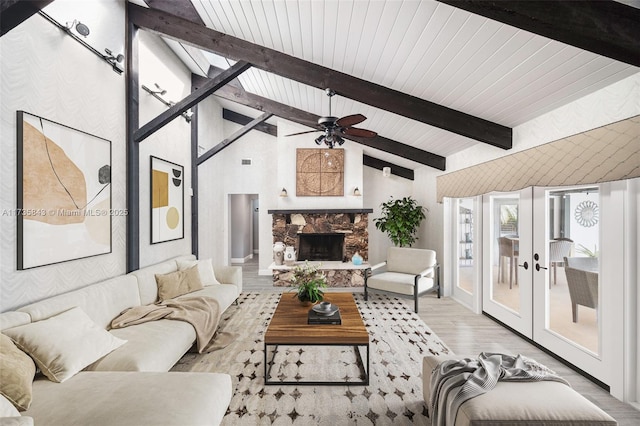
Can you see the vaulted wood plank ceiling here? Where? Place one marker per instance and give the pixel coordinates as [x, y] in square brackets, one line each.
[425, 49]
[429, 50]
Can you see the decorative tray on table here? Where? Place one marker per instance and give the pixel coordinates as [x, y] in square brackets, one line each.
[324, 313]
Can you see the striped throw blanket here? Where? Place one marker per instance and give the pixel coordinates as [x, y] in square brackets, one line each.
[455, 381]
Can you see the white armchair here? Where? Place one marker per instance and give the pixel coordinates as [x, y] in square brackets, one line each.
[407, 272]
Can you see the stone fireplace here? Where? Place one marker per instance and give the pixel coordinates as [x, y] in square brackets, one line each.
[353, 224]
[331, 237]
[321, 247]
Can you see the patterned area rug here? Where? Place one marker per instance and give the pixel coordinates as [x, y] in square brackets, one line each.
[399, 340]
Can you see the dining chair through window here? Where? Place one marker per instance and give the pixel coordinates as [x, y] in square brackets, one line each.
[508, 251]
[559, 248]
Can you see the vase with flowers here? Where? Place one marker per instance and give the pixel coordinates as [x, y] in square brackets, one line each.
[309, 282]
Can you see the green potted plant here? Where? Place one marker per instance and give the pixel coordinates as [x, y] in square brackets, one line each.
[309, 282]
[400, 220]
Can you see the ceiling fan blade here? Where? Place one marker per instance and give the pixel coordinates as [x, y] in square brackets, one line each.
[363, 133]
[304, 133]
[350, 120]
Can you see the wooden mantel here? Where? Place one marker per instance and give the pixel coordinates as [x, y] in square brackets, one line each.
[321, 211]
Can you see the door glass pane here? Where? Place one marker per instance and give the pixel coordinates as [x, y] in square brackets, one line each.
[573, 233]
[505, 243]
[465, 244]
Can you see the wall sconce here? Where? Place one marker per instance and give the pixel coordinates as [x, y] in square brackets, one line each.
[187, 115]
[356, 192]
[386, 171]
[283, 193]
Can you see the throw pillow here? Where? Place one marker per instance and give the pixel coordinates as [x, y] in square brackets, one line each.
[205, 269]
[64, 344]
[7, 409]
[16, 374]
[178, 283]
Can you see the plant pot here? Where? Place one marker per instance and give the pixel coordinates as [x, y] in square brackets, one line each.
[304, 301]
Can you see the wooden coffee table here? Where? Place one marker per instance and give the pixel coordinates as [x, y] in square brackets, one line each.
[289, 327]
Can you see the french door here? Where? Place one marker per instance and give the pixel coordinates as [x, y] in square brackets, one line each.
[544, 262]
[507, 278]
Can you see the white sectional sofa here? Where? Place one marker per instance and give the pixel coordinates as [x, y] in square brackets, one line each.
[130, 385]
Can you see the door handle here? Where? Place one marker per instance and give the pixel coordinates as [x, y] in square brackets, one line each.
[538, 267]
[525, 266]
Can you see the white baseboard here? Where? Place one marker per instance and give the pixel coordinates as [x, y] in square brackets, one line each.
[241, 259]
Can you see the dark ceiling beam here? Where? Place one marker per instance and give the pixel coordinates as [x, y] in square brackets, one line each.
[181, 8]
[231, 139]
[406, 151]
[311, 120]
[264, 104]
[15, 12]
[320, 77]
[607, 28]
[376, 163]
[242, 119]
[194, 98]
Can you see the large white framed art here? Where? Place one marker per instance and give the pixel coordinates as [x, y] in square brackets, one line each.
[167, 201]
[64, 193]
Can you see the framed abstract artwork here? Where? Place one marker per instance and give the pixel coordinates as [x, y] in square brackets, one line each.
[64, 193]
[167, 201]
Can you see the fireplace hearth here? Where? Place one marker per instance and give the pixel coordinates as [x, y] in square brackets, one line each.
[323, 247]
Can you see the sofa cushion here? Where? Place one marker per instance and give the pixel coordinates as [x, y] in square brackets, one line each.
[205, 269]
[409, 260]
[225, 294]
[229, 275]
[126, 399]
[399, 283]
[146, 278]
[531, 403]
[13, 319]
[7, 409]
[16, 421]
[101, 301]
[151, 346]
[177, 283]
[64, 344]
[522, 403]
[16, 374]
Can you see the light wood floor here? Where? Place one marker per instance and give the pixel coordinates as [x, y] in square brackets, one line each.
[468, 334]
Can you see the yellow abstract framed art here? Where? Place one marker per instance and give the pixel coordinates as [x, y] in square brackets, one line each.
[167, 201]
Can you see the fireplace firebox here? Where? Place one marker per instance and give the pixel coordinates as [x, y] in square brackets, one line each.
[320, 247]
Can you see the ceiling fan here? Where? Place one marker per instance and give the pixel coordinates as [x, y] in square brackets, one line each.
[335, 128]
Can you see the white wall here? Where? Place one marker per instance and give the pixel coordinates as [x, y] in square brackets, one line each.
[223, 175]
[45, 72]
[158, 64]
[286, 178]
[377, 190]
[210, 220]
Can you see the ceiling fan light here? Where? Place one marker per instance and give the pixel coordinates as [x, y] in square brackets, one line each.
[319, 140]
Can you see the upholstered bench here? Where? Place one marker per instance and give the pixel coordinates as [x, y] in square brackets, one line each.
[522, 403]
